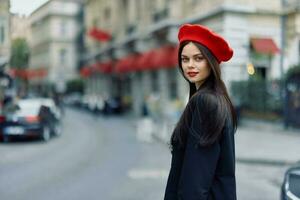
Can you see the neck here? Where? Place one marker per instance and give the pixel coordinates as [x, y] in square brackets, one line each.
[198, 84]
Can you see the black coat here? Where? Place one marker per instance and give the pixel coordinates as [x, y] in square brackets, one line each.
[203, 173]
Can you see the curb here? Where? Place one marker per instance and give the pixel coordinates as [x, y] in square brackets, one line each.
[248, 161]
[267, 125]
[257, 161]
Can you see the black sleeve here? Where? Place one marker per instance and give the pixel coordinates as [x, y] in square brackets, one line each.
[172, 184]
[200, 162]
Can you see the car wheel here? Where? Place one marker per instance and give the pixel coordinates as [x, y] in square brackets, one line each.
[46, 134]
[58, 130]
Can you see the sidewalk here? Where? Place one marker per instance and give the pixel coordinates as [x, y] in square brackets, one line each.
[267, 143]
[256, 142]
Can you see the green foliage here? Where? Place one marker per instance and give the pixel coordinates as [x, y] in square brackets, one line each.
[19, 54]
[293, 72]
[258, 95]
[75, 85]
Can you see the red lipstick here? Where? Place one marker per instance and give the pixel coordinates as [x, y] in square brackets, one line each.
[192, 74]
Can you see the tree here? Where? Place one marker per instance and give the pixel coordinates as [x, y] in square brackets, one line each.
[19, 54]
[19, 60]
[75, 85]
[293, 72]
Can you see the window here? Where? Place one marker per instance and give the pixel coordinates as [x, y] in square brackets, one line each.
[124, 7]
[2, 34]
[125, 3]
[299, 52]
[138, 9]
[154, 81]
[195, 2]
[63, 27]
[107, 14]
[261, 72]
[62, 56]
[172, 77]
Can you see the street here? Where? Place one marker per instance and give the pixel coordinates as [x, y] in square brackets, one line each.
[100, 158]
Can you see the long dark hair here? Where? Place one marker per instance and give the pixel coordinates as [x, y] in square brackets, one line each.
[212, 92]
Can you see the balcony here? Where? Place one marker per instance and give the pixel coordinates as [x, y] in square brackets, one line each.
[160, 15]
[130, 29]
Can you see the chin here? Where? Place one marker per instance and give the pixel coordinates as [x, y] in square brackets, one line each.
[194, 80]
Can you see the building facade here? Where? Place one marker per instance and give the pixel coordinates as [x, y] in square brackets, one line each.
[54, 34]
[20, 27]
[4, 31]
[263, 34]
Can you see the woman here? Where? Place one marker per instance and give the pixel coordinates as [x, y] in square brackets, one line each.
[202, 143]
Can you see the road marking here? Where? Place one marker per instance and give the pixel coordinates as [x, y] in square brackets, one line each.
[147, 173]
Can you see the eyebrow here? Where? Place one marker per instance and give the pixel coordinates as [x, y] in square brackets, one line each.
[198, 54]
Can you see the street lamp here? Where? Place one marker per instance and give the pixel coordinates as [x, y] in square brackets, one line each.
[250, 69]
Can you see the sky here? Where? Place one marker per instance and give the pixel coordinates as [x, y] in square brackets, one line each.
[25, 7]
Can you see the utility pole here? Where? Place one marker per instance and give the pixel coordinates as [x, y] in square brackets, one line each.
[283, 99]
[283, 34]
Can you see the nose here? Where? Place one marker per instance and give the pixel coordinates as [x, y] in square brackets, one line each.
[191, 63]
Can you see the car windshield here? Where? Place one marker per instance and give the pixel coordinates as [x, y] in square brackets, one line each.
[28, 108]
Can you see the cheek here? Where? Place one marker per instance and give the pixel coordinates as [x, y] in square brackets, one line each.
[207, 71]
[184, 71]
[184, 68]
[204, 68]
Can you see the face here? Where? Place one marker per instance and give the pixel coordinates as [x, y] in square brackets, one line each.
[194, 65]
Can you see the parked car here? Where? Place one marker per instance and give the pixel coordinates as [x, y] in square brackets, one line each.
[290, 189]
[73, 99]
[30, 118]
[113, 106]
[52, 106]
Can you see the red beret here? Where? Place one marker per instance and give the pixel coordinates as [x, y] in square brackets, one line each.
[201, 34]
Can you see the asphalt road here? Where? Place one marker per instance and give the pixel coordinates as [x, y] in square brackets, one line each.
[101, 158]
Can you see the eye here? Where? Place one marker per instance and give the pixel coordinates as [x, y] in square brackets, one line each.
[199, 58]
[184, 59]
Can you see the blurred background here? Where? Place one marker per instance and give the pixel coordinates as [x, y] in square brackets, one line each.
[100, 79]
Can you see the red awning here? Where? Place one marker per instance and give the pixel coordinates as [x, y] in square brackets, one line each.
[264, 45]
[165, 57]
[162, 57]
[106, 67]
[99, 34]
[29, 73]
[86, 71]
[145, 61]
[36, 73]
[94, 67]
[126, 64]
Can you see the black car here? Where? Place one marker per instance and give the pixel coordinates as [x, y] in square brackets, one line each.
[290, 189]
[30, 118]
[113, 106]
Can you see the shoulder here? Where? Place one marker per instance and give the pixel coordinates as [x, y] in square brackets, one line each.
[209, 115]
[205, 101]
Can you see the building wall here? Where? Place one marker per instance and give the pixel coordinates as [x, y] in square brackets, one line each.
[191, 7]
[265, 5]
[40, 31]
[237, 20]
[20, 27]
[55, 29]
[292, 39]
[91, 19]
[4, 30]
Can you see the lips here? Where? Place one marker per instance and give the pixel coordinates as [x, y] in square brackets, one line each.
[192, 74]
